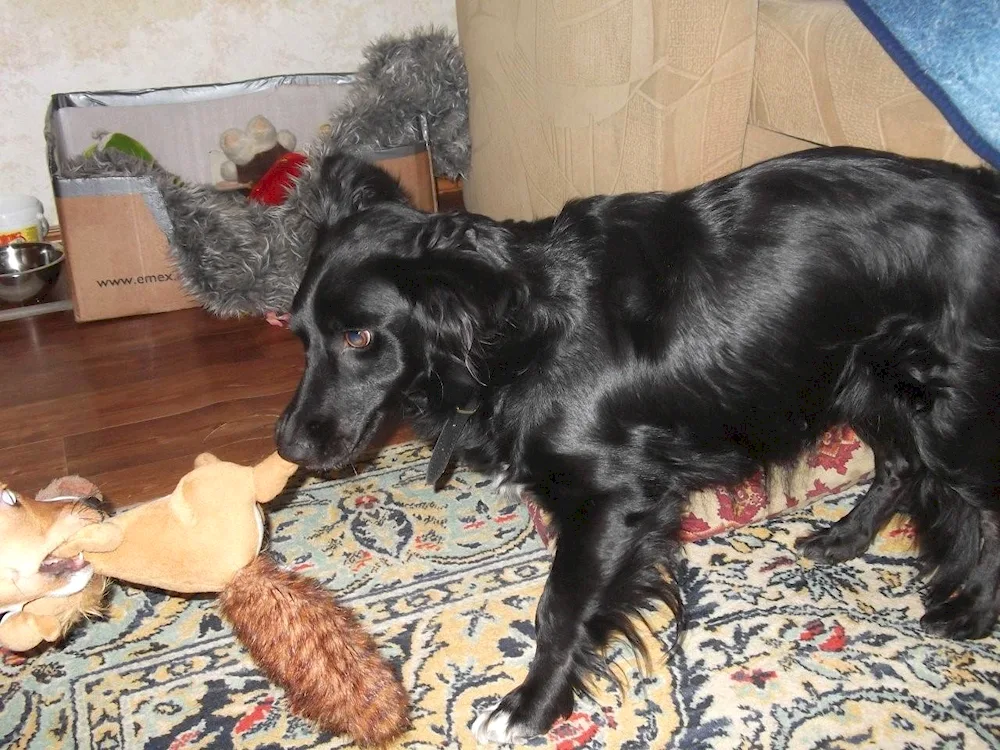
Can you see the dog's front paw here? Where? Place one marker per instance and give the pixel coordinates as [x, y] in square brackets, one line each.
[495, 727]
[831, 546]
[961, 618]
[517, 717]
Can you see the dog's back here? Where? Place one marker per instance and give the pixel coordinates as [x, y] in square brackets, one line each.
[765, 287]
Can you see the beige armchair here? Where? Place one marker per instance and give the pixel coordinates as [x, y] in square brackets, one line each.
[576, 97]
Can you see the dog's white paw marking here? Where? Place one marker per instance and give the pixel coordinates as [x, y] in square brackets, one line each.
[501, 477]
[494, 727]
[506, 488]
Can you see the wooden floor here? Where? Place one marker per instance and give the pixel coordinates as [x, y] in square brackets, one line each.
[128, 403]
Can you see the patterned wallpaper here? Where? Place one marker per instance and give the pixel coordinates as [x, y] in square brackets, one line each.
[73, 45]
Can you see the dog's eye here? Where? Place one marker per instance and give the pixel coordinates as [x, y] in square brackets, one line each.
[8, 498]
[357, 339]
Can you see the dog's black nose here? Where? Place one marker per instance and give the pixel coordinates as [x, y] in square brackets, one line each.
[294, 443]
[297, 451]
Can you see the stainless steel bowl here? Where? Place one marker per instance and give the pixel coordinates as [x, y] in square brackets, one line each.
[28, 271]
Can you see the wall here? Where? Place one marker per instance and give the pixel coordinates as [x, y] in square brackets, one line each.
[52, 46]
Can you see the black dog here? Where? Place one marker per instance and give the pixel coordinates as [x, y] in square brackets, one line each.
[636, 348]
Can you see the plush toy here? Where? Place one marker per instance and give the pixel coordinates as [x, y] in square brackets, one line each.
[120, 142]
[237, 256]
[206, 537]
[251, 151]
[273, 188]
[43, 595]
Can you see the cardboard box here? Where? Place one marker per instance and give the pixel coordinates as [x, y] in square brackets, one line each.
[118, 258]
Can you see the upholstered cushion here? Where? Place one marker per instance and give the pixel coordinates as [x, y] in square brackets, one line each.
[820, 76]
[838, 462]
[580, 97]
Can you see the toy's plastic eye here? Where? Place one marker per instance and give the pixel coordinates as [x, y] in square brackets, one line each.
[357, 339]
[8, 498]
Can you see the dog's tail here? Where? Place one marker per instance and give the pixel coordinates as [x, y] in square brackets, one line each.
[982, 178]
[988, 181]
[317, 651]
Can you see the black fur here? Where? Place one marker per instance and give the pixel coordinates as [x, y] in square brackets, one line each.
[636, 348]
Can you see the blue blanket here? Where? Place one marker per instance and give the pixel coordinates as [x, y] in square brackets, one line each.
[950, 49]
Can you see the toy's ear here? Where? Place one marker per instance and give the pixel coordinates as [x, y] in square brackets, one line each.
[49, 627]
[97, 537]
[236, 145]
[68, 488]
[270, 477]
[204, 459]
[23, 632]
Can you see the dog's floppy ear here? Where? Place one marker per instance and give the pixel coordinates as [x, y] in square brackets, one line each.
[469, 237]
[347, 184]
[462, 282]
[362, 184]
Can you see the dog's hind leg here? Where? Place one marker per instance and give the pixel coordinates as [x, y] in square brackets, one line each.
[960, 550]
[851, 536]
[888, 379]
[956, 504]
[970, 612]
[608, 566]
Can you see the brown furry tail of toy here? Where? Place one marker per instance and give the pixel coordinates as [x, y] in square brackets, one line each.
[317, 651]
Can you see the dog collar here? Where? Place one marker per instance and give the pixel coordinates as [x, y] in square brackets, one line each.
[447, 441]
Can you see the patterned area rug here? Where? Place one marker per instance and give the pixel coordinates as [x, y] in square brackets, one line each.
[780, 653]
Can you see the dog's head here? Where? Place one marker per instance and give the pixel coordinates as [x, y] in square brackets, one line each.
[393, 299]
[344, 185]
[30, 532]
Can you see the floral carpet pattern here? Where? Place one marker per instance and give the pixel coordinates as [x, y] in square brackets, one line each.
[779, 653]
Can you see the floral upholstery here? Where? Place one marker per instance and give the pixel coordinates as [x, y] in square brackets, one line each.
[839, 461]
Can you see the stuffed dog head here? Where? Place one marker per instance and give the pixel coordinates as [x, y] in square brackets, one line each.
[43, 590]
[54, 556]
[30, 532]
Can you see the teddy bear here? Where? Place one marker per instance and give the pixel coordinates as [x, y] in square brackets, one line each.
[206, 537]
[252, 150]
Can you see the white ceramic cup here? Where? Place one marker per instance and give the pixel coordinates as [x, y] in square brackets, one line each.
[22, 219]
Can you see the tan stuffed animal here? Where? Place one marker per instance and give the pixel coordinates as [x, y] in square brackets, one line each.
[42, 595]
[193, 540]
[205, 537]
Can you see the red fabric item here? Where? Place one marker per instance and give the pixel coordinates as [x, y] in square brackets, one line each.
[272, 189]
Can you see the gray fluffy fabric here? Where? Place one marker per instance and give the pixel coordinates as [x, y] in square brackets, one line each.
[237, 257]
[401, 79]
[234, 256]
